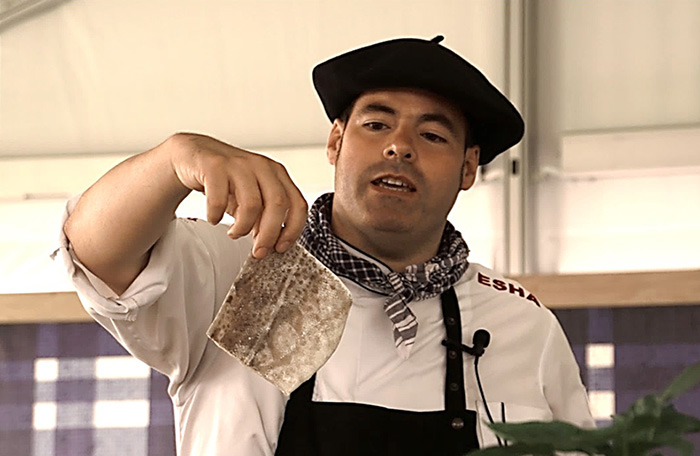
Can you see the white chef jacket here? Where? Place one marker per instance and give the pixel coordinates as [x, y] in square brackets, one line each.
[223, 408]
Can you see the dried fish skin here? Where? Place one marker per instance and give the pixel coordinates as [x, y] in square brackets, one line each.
[283, 317]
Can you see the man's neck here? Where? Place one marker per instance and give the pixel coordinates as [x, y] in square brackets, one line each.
[394, 250]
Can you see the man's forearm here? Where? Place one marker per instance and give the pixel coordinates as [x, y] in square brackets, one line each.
[121, 217]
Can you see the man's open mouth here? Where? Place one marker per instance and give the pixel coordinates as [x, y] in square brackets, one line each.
[394, 183]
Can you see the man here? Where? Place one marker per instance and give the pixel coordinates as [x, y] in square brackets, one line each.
[411, 123]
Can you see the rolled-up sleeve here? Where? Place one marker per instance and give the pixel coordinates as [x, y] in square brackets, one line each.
[163, 316]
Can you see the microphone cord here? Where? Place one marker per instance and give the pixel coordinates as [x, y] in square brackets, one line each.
[483, 397]
[476, 351]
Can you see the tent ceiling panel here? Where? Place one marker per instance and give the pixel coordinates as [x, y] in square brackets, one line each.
[99, 76]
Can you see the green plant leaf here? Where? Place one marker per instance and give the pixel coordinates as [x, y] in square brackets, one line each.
[650, 405]
[651, 423]
[686, 380]
[642, 428]
[561, 435]
[683, 447]
[518, 449]
[679, 423]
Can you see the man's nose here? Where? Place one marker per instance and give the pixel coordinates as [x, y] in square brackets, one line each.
[400, 147]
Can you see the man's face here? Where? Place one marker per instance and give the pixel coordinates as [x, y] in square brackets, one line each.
[400, 162]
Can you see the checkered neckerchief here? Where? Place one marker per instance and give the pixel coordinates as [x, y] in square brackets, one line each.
[417, 282]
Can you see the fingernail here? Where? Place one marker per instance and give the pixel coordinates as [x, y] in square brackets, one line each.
[261, 252]
[283, 246]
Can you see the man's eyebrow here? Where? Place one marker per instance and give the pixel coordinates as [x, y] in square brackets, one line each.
[442, 119]
[378, 107]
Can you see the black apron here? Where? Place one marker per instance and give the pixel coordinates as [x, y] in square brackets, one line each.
[347, 429]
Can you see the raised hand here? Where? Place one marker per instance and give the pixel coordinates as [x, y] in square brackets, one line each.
[254, 189]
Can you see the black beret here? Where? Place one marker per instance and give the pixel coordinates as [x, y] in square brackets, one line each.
[414, 63]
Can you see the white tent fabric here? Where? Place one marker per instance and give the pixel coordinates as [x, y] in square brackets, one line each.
[86, 83]
[99, 76]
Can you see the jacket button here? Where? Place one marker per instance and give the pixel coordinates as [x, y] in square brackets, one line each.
[452, 354]
[454, 386]
[457, 424]
[451, 321]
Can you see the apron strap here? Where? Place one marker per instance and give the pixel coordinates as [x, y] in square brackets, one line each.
[454, 377]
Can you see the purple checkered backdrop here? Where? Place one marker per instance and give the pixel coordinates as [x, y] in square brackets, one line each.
[71, 390]
[627, 353]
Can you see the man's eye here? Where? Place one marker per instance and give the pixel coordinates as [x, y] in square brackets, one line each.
[375, 126]
[434, 138]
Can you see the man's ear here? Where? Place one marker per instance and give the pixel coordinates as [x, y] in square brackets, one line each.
[471, 164]
[335, 140]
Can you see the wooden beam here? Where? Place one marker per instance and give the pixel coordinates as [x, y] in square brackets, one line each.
[666, 288]
[638, 289]
[41, 308]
